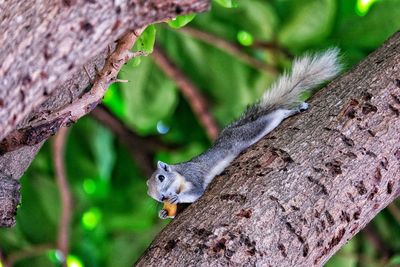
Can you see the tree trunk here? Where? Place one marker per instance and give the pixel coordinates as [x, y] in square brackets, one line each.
[298, 195]
[46, 50]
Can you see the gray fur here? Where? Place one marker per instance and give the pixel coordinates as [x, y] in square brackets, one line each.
[185, 182]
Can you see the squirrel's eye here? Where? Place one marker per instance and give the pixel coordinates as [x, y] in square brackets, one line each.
[161, 178]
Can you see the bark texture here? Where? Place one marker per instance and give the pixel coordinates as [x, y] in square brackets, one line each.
[46, 50]
[9, 199]
[43, 43]
[295, 197]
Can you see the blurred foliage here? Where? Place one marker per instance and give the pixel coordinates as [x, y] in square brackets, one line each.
[113, 219]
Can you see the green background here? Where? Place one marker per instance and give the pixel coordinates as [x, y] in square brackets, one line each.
[113, 219]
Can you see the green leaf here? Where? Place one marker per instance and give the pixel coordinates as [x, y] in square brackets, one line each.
[114, 101]
[103, 149]
[311, 22]
[395, 260]
[181, 21]
[245, 38]
[261, 19]
[149, 95]
[363, 6]
[374, 28]
[144, 43]
[146, 40]
[227, 3]
[39, 214]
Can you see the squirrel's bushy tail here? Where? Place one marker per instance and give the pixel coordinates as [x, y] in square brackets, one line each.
[307, 72]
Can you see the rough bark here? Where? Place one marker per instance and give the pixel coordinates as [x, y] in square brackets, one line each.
[45, 47]
[9, 199]
[43, 43]
[295, 197]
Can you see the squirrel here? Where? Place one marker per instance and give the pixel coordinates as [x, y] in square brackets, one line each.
[185, 182]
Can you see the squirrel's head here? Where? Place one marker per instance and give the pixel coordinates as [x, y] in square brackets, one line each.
[164, 182]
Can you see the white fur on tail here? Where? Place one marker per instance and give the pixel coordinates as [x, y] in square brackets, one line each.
[307, 72]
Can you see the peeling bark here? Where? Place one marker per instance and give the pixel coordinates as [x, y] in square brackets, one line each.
[297, 196]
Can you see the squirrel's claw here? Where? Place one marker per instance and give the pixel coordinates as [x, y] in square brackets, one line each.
[173, 199]
[163, 214]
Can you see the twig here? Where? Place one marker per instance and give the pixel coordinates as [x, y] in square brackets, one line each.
[28, 253]
[66, 200]
[189, 90]
[46, 126]
[121, 81]
[271, 46]
[228, 47]
[141, 148]
[394, 210]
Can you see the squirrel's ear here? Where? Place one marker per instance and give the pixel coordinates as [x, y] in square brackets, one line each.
[164, 166]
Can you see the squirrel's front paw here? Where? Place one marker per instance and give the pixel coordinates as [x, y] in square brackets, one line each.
[173, 199]
[163, 214]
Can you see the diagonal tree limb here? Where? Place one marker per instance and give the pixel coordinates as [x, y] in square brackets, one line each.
[297, 196]
[45, 126]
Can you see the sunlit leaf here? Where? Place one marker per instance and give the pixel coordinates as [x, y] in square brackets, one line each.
[245, 38]
[91, 218]
[227, 3]
[362, 7]
[144, 43]
[375, 27]
[146, 40]
[73, 261]
[181, 21]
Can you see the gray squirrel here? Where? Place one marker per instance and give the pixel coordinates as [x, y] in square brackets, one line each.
[185, 182]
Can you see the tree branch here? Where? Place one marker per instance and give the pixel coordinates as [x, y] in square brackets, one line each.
[43, 127]
[66, 199]
[229, 48]
[295, 197]
[28, 253]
